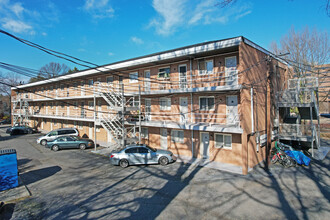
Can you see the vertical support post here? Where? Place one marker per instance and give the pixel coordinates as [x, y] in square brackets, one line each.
[312, 128]
[139, 114]
[123, 115]
[94, 122]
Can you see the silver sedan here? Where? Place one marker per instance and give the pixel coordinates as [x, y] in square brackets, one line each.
[141, 154]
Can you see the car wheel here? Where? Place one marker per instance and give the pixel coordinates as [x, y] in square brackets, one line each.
[82, 146]
[55, 148]
[123, 163]
[43, 142]
[163, 161]
[29, 131]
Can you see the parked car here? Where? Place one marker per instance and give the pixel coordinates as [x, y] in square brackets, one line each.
[141, 154]
[19, 130]
[57, 133]
[66, 142]
[5, 121]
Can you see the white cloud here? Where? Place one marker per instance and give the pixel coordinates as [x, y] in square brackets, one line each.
[171, 15]
[99, 8]
[44, 34]
[17, 26]
[17, 9]
[137, 40]
[111, 54]
[174, 14]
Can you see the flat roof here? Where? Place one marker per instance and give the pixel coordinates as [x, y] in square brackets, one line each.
[155, 57]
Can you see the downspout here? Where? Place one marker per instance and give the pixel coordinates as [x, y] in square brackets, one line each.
[191, 114]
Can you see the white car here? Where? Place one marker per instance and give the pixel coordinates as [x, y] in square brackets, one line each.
[57, 133]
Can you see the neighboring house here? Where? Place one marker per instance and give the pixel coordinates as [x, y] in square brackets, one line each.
[4, 105]
[214, 100]
[323, 73]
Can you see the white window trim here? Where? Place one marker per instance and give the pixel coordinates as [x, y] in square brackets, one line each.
[212, 109]
[177, 139]
[165, 67]
[165, 108]
[134, 79]
[80, 125]
[223, 143]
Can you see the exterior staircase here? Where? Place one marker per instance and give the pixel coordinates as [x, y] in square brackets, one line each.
[298, 128]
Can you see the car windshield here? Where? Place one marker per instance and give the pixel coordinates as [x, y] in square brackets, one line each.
[151, 148]
[52, 133]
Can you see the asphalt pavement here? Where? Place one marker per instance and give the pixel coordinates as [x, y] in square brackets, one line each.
[75, 184]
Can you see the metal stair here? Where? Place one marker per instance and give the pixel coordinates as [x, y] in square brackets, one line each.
[120, 106]
[301, 94]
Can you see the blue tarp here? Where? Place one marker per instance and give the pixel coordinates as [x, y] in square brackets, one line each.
[301, 158]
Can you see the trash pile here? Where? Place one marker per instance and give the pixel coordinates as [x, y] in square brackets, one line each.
[287, 156]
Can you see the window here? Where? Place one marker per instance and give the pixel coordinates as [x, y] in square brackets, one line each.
[165, 103]
[55, 122]
[144, 133]
[90, 105]
[143, 150]
[70, 139]
[51, 89]
[74, 124]
[62, 104]
[75, 105]
[205, 67]
[223, 141]
[62, 87]
[177, 136]
[131, 150]
[90, 83]
[133, 77]
[42, 89]
[164, 72]
[80, 126]
[75, 86]
[109, 80]
[206, 103]
[51, 105]
[98, 129]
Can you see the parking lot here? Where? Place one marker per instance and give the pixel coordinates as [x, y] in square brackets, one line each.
[72, 184]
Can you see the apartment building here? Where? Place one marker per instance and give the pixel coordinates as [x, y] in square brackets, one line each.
[214, 100]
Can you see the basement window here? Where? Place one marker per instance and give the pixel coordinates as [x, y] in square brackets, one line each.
[223, 141]
[164, 72]
[177, 136]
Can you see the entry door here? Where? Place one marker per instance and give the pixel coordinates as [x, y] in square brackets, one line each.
[68, 110]
[90, 130]
[147, 80]
[183, 109]
[163, 138]
[183, 76]
[232, 110]
[204, 144]
[231, 73]
[148, 109]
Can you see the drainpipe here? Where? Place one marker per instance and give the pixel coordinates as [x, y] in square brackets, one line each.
[191, 108]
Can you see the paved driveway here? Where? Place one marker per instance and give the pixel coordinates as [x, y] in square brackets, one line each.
[74, 184]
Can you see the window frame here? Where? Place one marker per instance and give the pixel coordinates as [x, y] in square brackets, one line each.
[166, 75]
[167, 107]
[204, 71]
[223, 146]
[144, 133]
[207, 97]
[176, 137]
[109, 82]
[75, 105]
[90, 106]
[134, 77]
[89, 83]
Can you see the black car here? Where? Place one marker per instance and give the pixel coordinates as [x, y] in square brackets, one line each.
[19, 130]
[5, 121]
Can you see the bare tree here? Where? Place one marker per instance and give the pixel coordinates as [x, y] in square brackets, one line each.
[7, 81]
[53, 69]
[305, 50]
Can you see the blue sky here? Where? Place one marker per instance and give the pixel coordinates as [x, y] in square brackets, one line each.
[106, 31]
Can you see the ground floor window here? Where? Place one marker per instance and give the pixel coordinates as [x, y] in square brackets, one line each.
[177, 136]
[144, 133]
[223, 141]
[80, 126]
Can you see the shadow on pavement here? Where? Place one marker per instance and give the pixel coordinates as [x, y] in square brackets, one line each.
[36, 175]
[6, 211]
